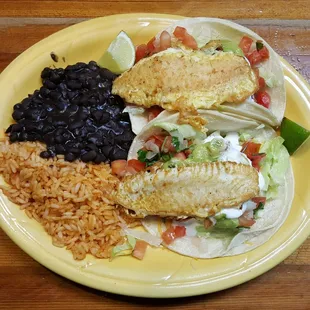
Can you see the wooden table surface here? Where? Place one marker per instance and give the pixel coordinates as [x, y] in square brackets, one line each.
[24, 283]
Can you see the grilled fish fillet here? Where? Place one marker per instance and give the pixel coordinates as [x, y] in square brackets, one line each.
[199, 190]
[187, 80]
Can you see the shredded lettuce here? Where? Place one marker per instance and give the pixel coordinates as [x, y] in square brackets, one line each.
[274, 165]
[120, 250]
[131, 240]
[244, 136]
[230, 46]
[269, 77]
[201, 34]
[124, 249]
[133, 234]
[260, 134]
[272, 191]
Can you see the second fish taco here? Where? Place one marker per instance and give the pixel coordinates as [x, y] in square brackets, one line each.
[205, 63]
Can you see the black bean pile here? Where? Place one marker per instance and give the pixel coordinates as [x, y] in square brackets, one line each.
[75, 114]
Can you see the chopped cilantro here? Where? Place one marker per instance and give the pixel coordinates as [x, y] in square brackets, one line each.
[259, 45]
[142, 155]
[176, 143]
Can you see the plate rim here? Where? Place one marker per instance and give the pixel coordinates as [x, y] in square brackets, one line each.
[163, 291]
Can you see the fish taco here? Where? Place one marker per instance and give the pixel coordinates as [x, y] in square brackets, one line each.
[208, 195]
[204, 63]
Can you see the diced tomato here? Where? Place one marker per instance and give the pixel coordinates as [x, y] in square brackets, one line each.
[141, 52]
[135, 164]
[190, 42]
[180, 231]
[180, 156]
[264, 53]
[150, 46]
[263, 98]
[165, 40]
[261, 82]
[169, 235]
[207, 223]
[181, 34]
[154, 112]
[245, 44]
[187, 152]
[173, 233]
[254, 58]
[139, 250]
[258, 56]
[119, 167]
[250, 148]
[256, 159]
[259, 200]
[245, 221]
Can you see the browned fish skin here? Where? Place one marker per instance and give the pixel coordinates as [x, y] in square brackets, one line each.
[187, 80]
[194, 191]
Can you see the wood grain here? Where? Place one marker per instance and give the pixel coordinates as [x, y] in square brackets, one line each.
[225, 9]
[24, 283]
[291, 39]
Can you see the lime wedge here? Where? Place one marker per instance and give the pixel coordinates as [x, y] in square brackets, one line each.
[120, 56]
[293, 134]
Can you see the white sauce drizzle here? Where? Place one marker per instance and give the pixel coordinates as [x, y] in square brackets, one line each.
[233, 153]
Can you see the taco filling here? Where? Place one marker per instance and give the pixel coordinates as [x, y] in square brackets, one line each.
[192, 185]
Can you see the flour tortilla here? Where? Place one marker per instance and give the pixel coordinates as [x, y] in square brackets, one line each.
[271, 218]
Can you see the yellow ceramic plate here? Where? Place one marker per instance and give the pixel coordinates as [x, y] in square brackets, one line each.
[162, 273]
